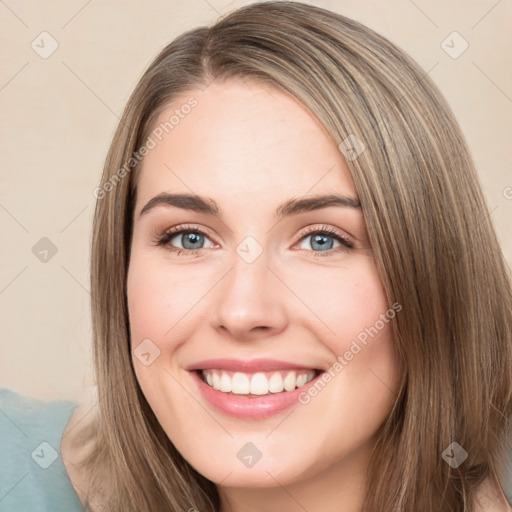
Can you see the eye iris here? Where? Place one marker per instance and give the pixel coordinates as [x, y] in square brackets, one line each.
[323, 241]
[193, 238]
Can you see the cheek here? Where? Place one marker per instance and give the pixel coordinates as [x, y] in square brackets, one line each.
[156, 301]
[348, 301]
[351, 308]
[158, 297]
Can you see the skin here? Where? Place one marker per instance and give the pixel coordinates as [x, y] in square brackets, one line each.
[250, 148]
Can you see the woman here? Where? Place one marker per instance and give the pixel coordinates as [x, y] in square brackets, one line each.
[299, 302]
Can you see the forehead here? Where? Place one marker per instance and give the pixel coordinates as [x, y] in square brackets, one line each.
[241, 141]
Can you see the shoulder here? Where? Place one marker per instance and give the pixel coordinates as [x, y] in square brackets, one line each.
[34, 477]
[78, 443]
[490, 498]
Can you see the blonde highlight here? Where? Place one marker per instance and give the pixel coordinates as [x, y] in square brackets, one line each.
[434, 246]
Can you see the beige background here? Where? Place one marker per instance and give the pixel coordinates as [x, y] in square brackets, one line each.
[59, 114]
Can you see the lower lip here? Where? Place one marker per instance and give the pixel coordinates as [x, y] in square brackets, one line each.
[250, 407]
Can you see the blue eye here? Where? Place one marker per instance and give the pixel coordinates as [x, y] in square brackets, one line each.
[192, 240]
[324, 239]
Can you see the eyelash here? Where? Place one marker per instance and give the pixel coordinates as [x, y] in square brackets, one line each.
[164, 238]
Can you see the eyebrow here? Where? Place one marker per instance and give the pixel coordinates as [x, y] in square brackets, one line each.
[207, 205]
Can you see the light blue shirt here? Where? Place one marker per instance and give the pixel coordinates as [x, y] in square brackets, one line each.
[32, 475]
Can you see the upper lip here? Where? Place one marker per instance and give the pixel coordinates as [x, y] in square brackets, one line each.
[248, 366]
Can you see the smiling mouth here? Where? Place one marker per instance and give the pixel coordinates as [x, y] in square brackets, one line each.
[258, 383]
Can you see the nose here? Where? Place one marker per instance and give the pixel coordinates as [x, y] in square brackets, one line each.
[249, 302]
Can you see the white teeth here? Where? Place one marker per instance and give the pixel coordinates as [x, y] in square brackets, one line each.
[225, 383]
[301, 380]
[290, 381]
[240, 384]
[275, 383]
[260, 383]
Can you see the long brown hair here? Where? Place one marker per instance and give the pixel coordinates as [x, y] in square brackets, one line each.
[433, 244]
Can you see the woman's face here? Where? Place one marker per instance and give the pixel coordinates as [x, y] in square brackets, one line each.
[262, 296]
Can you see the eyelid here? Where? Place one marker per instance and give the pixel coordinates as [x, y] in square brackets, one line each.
[180, 228]
[163, 239]
[330, 230]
